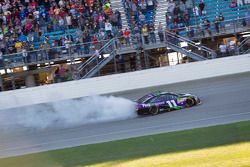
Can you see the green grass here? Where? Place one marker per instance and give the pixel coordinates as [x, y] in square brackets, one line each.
[225, 145]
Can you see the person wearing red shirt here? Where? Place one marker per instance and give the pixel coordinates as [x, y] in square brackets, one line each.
[127, 36]
[51, 12]
[95, 41]
[34, 4]
[81, 8]
[62, 13]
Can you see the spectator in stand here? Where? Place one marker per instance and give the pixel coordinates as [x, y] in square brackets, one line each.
[201, 6]
[217, 24]
[114, 20]
[25, 20]
[196, 11]
[186, 19]
[207, 26]
[108, 28]
[151, 30]
[183, 8]
[145, 33]
[78, 46]
[240, 3]
[233, 4]
[231, 47]
[1, 82]
[1, 59]
[160, 32]
[118, 16]
[247, 18]
[127, 36]
[171, 6]
[142, 18]
[142, 5]
[69, 21]
[62, 74]
[150, 4]
[119, 38]
[137, 37]
[221, 22]
[133, 9]
[223, 49]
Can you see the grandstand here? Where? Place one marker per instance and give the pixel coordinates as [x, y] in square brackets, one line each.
[44, 43]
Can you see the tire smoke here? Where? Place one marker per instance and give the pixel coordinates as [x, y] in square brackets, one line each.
[69, 113]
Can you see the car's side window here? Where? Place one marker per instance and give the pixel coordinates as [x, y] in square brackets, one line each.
[173, 96]
[168, 97]
[152, 100]
[157, 99]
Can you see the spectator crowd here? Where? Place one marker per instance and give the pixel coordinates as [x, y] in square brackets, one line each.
[26, 23]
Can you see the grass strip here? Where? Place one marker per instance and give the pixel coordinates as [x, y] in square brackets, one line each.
[211, 146]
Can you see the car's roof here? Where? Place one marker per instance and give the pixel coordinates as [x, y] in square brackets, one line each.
[158, 93]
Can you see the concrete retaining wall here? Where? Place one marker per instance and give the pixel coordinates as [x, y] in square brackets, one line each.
[126, 81]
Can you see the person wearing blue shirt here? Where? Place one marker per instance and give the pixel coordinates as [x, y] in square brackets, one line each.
[22, 38]
[44, 15]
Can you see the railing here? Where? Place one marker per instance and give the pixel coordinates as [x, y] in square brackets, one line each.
[82, 50]
[230, 26]
[166, 39]
[191, 46]
[48, 55]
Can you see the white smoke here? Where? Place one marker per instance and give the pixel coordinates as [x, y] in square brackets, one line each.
[69, 113]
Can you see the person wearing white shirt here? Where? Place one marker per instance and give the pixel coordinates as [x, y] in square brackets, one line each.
[36, 14]
[247, 1]
[223, 49]
[232, 47]
[1, 83]
[171, 6]
[69, 21]
[240, 2]
[1, 59]
[108, 28]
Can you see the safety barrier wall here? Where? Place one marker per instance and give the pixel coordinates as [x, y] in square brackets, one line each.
[126, 81]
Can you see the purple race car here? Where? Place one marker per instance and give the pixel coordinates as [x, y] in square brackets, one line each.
[157, 102]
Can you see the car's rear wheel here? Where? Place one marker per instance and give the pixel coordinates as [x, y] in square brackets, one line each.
[190, 102]
[154, 110]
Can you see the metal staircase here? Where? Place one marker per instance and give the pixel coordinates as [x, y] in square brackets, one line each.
[192, 50]
[97, 61]
[117, 5]
[243, 47]
[160, 13]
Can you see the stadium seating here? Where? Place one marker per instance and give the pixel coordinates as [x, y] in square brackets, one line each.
[148, 13]
[213, 8]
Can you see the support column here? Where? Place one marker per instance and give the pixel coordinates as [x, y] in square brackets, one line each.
[30, 81]
[1, 83]
[138, 59]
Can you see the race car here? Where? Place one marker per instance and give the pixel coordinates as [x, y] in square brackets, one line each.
[157, 102]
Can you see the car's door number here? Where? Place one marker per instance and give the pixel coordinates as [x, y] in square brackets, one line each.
[171, 103]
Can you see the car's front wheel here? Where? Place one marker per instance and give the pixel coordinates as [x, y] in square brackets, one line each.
[154, 110]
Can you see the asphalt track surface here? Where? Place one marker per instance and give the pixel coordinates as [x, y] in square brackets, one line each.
[224, 100]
